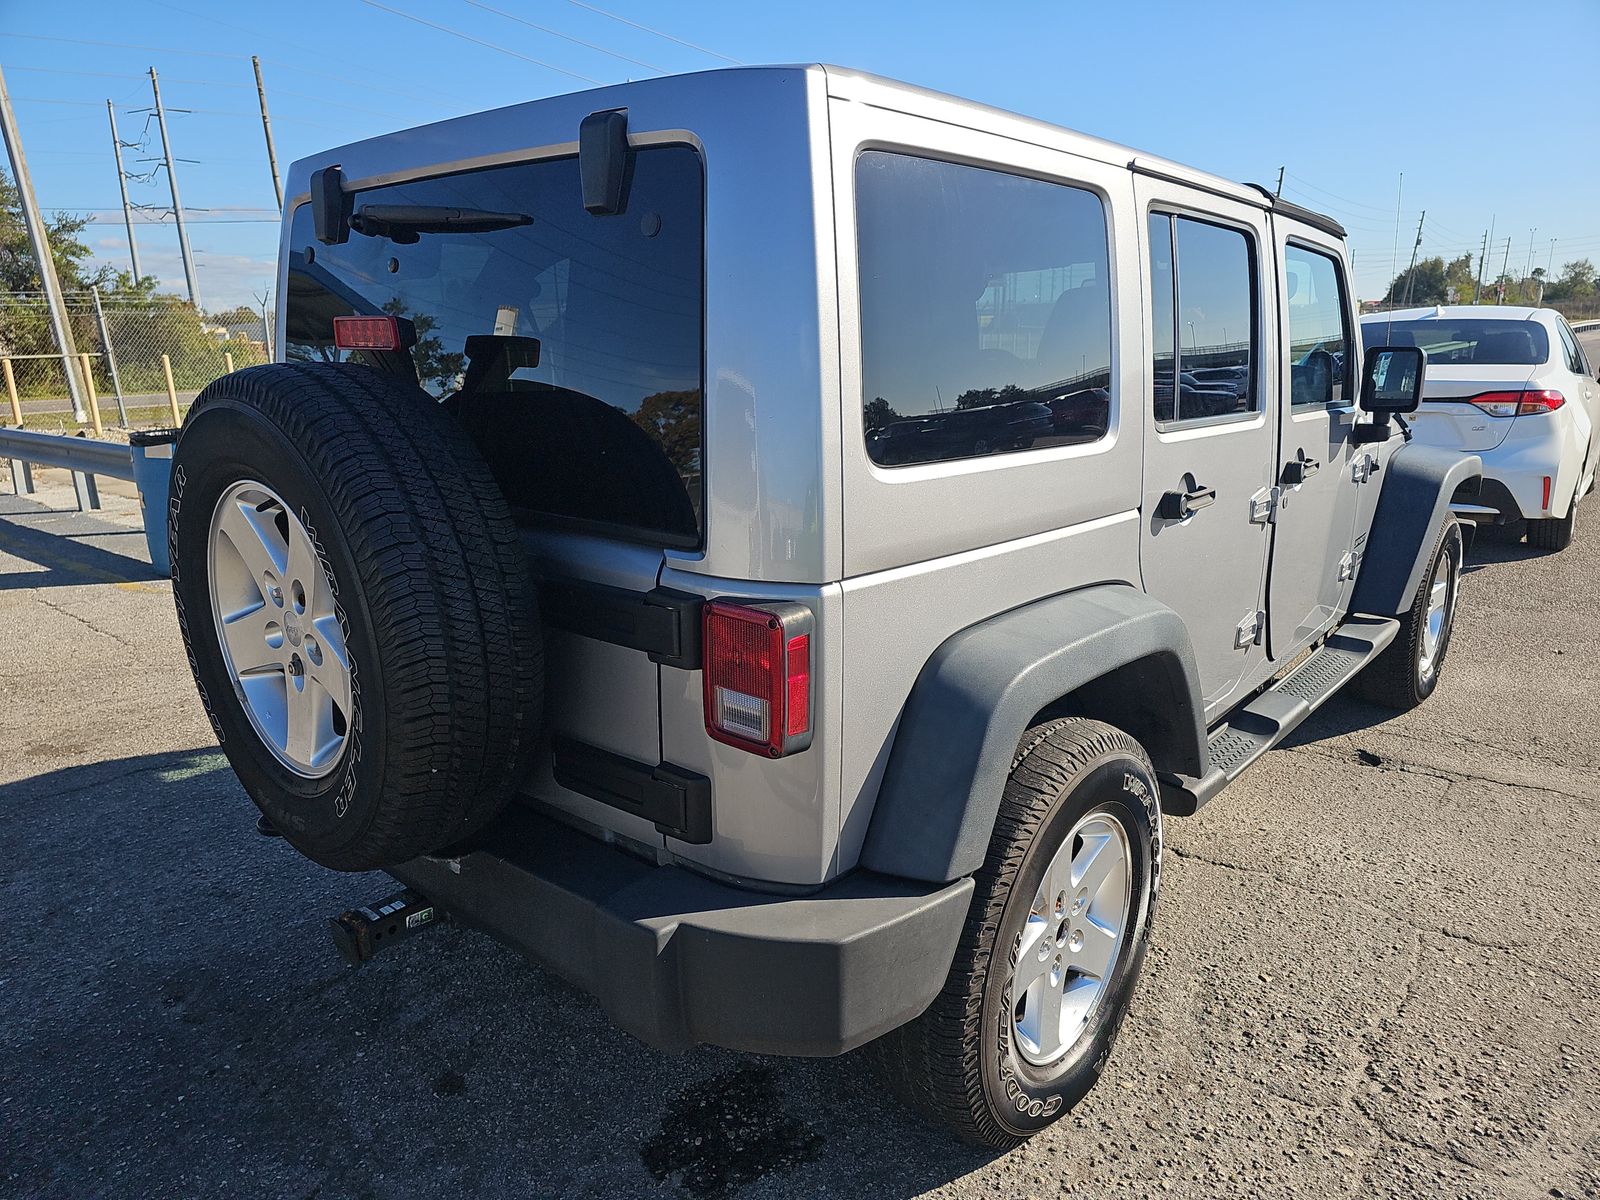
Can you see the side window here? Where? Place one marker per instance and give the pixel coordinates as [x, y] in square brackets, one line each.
[1319, 330]
[1203, 289]
[1576, 363]
[985, 311]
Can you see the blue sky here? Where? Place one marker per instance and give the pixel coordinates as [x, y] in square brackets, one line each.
[1490, 109]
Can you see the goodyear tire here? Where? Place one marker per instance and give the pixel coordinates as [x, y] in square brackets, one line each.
[1052, 947]
[357, 610]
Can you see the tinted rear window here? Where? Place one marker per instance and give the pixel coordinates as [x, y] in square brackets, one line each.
[1473, 340]
[604, 429]
[985, 311]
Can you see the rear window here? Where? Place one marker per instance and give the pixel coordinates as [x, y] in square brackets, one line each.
[985, 311]
[582, 380]
[1471, 340]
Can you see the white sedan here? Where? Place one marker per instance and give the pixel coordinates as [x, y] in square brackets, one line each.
[1513, 386]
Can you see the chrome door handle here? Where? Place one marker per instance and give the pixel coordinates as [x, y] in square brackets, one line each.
[1178, 506]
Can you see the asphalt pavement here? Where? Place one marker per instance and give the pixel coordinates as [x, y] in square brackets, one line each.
[1375, 968]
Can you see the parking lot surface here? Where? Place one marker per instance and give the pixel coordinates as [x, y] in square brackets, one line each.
[1375, 966]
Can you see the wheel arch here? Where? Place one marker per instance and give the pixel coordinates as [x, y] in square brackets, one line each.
[1419, 484]
[1109, 652]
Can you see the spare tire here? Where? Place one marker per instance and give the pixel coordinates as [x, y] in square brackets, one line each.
[357, 610]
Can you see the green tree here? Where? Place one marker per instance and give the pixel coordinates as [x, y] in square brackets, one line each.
[878, 413]
[672, 419]
[18, 271]
[1423, 284]
[981, 397]
[1577, 280]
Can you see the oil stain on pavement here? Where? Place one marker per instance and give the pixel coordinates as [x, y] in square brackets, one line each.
[725, 1132]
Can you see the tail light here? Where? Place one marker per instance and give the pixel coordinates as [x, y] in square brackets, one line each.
[1517, 404]
[757, 666]
[366, 333]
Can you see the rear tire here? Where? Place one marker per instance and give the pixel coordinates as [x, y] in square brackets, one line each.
[1407, 672]
[982, 1061]
[374, 539]
[1554, 533]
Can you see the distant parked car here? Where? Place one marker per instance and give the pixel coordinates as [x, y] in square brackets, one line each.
[965, 432]
[1084, 413]
[1513, 386]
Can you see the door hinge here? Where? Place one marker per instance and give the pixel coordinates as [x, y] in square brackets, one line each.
[1264, 505]
[1250, 630]
[1363, 468]
[1349, 564]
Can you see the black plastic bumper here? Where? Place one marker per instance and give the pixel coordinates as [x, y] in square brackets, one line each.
[677, 959]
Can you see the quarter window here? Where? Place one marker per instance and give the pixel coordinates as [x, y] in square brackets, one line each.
[1319, 331]
[985, 311]
[1202, 288]
[1575, 360]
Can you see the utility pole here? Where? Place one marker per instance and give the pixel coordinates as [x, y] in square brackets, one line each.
[177, 204]
[1279, 192]
[39, 241]
[1528, 270]
[1411, 271]
[1549, 266]
[266, 128]
[122, 182]
[1500, 284]
[1483, 252]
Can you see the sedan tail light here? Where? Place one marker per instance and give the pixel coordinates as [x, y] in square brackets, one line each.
[1517, 404]
[758, 676]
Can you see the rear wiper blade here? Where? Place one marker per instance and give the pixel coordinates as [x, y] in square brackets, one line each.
[404, 222]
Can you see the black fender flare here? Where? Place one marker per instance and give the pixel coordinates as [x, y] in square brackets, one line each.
[1419, 482]
[983, 687]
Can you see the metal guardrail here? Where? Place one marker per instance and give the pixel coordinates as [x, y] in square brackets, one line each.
[84, 457]
[81, 454]
[1585, 326]
[147, 463]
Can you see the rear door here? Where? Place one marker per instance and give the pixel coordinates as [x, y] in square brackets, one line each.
[1319, 467]
[1208, 450]
[569, 348]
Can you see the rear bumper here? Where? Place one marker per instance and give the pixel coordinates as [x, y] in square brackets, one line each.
[677, 959]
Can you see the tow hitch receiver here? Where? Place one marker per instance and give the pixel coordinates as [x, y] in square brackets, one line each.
[362, 932]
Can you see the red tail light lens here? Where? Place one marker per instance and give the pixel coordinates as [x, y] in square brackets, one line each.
[1517, 404]
[1540, 402]
[757, 665]
[366, 333]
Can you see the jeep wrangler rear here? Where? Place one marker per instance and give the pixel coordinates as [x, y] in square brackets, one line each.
[771, 544]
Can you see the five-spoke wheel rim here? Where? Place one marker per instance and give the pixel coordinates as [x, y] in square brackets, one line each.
[279, 628]
[1070, 944]
[1441, 608]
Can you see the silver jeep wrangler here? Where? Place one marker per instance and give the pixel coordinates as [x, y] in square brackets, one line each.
[772, 544]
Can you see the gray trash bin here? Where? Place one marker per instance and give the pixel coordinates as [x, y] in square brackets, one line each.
[152, 472]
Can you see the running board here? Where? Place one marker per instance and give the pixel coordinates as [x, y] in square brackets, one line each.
[1253, 729]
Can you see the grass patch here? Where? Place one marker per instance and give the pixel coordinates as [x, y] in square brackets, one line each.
[154, 417]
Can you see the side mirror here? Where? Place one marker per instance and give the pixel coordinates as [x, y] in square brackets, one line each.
[1391, 379]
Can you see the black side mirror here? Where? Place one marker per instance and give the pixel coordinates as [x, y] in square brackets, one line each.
[1391, 379]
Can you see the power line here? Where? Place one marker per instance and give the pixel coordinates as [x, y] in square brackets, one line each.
[365, 85]
[467, 37]
[566, 37]
[669, 37]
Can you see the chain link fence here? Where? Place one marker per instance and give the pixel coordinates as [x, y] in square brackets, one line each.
[140, 356]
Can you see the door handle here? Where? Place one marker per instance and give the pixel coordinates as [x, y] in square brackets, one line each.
[1300, 470]
[1177, 506]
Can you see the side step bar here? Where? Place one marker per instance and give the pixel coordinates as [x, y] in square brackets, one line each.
[1255, 728]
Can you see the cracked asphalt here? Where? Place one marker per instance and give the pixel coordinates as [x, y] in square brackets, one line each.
[1374, 969]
